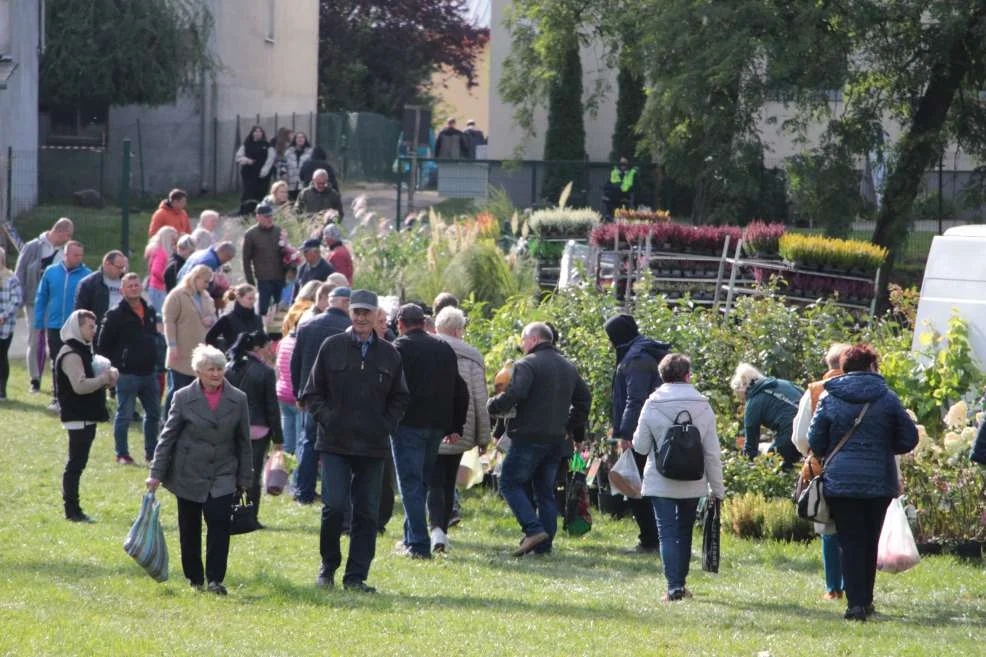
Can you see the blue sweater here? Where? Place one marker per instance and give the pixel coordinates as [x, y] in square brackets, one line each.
[864, 467]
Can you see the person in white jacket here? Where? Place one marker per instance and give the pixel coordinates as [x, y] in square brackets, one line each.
[675, 502]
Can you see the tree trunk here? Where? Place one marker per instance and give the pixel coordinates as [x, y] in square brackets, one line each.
[919, 147]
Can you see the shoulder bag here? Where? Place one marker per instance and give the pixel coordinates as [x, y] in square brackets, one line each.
[811, 500]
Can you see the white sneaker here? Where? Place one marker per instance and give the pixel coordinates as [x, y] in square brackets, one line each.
[53, 406]
[439, 541]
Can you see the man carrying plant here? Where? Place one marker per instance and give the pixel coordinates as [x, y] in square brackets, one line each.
[552, 401]
[635, 378]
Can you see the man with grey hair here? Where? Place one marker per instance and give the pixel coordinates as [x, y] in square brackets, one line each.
[552, 402]
[34, 258]
[319, 196]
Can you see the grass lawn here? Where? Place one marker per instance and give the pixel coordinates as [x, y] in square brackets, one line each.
[70, 589]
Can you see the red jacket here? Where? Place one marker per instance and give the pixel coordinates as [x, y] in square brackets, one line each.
[165, 215]
[342, 262]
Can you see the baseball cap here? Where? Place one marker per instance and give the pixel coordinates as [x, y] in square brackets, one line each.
[410, 312]
[311, 244]
[344, 292]
[265, 210]
[362, 299]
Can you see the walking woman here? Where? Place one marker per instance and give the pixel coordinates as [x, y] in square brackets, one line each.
[255, 157]
[247, 371]
[11, 299]
[158, 254]
[188, 314]
[242, 319]
[210, 421]
[863, 415]
[81, 394]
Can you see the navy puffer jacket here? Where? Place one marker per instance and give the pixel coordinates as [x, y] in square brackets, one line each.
[864, 467]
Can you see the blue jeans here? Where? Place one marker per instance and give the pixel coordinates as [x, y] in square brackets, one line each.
[415, 452]
[675, 521]
[307, 470]
[350, 482]
[267, 292]
[832, 561]
[176, 381]
[532, 463]
[156, 299]
[129, 388]
[291, 425]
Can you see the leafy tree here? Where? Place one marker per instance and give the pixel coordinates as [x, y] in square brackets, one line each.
[565, 137]
[629, 107]
[376, 55]
[119, 52]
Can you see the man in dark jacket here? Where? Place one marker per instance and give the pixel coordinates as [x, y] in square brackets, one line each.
[315, 267]
[262, 263]
[635, 378]
[474, 136]
[551, 401]
[451, 144]
[319, 160]
[439, 400]
[129, 338]
[319, 196]
[311, 335]
[101, 290]
[357, 394]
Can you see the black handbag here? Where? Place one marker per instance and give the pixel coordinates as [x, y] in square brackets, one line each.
[242, 517]
[710, 535]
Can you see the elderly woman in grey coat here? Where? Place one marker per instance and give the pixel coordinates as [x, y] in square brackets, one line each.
[204, 457]
[450, 326]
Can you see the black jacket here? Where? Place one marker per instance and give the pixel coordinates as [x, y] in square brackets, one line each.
[92, 294]
[259, 382]
[356, 401]
[309, 167]
[129, 343]
[551, 398]
[310, 337]
[227, 328]
[320, 272]
[635, 378]
[431, 370]
[171, 271]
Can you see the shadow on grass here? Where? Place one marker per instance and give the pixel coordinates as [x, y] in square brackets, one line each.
[75, 570]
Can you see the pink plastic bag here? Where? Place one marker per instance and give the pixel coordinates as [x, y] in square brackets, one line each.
[897, 551]
[275, 474]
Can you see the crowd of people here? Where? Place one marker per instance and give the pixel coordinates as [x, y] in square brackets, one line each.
[372, 402]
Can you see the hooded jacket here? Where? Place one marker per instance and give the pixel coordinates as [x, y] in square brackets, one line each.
[636, 374]
[167, 215]
[772, 403]
[55, 298]
[865, 466]
[659, 413]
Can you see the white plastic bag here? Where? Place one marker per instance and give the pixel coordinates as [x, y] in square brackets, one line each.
[624, 479]
[897, 551]
[470, 469]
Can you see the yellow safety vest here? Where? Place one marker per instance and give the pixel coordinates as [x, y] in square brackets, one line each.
[624, 180]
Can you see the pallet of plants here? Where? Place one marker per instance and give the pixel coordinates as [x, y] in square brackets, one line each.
[644, 216]
[811, 286]
[550, 230]
[827, 254]
[761, 240]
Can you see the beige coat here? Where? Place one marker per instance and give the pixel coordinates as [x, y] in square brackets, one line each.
[185, 327]
[476, 430]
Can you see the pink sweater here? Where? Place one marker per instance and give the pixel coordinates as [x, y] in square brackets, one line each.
[285, 348]
[158, 263]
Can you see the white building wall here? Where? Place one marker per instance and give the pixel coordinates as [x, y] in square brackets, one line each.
[19, 22]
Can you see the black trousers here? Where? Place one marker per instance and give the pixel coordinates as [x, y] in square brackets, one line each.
[216, 511]
[858, 522]
[387, 495]
[643, 513]
[79, 444]
[441, 490]
[53, 340]
[4, 364]
[259, 446]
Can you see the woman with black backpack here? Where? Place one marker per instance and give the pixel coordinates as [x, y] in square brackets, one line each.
[677, 434]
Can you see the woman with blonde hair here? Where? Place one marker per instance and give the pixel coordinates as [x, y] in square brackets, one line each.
[278, 197]
[290, 414]
[158, 253]
[188, 314]
[11, 299]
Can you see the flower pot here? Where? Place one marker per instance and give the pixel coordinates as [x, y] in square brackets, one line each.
[968, 550]
[927, 549]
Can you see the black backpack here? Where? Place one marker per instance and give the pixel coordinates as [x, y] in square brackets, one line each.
[680, 455]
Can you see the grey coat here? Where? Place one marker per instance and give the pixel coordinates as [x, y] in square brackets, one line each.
[203, 452]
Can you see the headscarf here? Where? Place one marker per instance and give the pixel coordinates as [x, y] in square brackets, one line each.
[72, 329]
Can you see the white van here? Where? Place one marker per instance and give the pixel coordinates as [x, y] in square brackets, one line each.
[955, 279]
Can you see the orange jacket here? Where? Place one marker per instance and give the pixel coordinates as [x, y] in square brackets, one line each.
[165, 215]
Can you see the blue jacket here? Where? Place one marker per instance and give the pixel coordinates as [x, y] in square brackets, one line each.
[635, 378]
[55, 299]
[979, 447]
[207, 257]
[864, 467]
[772, 403]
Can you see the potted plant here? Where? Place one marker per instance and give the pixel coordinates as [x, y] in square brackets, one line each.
[760, 239]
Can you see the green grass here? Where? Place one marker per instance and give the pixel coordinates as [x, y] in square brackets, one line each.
[70, 589]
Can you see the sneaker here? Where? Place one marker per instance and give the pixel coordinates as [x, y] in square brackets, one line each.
[358, 587]
[870, 611]
[455, 519]
[439, 541]
[529, 543]
[79, 517]
[674, 596]
[640, 548]
[35, 386]
[217, 588]
[124, 460]
[855, 614]
[54, 407]
[325, 579]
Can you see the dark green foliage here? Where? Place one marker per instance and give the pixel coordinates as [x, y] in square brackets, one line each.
[565, 137]
[629, 106]
[120, 52]
[825, 188]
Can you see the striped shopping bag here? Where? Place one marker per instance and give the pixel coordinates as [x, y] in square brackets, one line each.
[145, 542]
